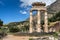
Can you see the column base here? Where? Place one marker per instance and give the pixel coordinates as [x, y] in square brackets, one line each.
[39, 30]
[46, 30]
[30, 31]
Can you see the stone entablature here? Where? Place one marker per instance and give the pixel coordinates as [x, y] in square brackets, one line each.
[38, 4]
[39, 8]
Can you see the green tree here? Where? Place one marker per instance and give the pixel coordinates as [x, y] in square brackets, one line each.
[25, 28]
[1, 22]
[56, 17]
[14, 29]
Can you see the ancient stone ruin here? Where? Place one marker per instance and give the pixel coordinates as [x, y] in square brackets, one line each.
[39, 7]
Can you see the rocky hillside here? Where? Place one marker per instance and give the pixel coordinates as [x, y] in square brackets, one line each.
[54, 7]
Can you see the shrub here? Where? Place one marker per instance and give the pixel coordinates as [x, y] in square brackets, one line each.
[14, 29]
[30, 39]
[3, 32]
[24, 28]
[55, 34]
[42, 22]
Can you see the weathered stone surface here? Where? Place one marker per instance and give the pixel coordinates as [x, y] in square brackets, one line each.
[54, 7]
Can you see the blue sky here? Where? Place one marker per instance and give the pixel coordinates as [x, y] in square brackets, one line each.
[17, 10]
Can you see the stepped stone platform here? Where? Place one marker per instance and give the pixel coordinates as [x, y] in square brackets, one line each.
[27, 36]
[33, 34]
[13, 37]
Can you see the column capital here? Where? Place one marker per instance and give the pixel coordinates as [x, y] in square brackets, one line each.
[30, 13]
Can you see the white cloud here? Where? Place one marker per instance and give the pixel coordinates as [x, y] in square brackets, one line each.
[1, 3]
[29, 2]
[23, 12]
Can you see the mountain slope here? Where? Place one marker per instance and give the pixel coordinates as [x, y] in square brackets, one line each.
[54, 7]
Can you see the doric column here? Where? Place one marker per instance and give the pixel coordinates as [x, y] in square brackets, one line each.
[38, 22]
[46, 22]
[31, 25]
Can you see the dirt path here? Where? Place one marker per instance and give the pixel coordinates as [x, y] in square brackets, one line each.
[12, 37]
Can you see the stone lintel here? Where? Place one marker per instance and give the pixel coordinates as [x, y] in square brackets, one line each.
[41, 9]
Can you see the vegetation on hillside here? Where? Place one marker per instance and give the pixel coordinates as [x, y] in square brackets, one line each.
[56, 17]
[18, 26]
